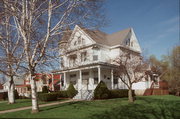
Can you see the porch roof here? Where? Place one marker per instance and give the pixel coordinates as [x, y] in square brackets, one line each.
[86, 66]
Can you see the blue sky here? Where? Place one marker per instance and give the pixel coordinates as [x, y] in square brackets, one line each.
[155, 22]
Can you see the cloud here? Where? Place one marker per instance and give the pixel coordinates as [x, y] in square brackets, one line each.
[171, 21]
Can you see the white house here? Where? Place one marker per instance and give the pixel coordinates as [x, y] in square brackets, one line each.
[87, 58]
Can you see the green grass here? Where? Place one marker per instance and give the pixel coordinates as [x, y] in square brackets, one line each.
[20, 103]
[149, 107]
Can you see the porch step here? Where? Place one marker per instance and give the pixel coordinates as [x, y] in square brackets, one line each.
[84, 95]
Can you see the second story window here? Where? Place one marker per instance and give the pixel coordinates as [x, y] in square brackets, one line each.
[72, 60]
[84, 56]
[61, 62]
[95, 54]
[95, 57]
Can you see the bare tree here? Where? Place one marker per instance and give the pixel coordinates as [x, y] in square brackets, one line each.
[131, 69]
[11, 53]
[41, 24]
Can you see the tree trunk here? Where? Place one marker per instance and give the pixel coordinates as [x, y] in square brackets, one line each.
[35, 106]
[130, 96]
[11, 96]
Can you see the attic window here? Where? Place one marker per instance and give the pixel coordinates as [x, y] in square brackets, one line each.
[83, 41]
[75, 43]
[128, 42]
[79, 40]
[132, 44]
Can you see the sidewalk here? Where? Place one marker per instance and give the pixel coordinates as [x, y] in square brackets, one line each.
[42, 105]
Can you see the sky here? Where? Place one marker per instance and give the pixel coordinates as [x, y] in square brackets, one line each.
[155, 23]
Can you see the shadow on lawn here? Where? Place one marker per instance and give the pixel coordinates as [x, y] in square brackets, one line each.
[59, 105]
[149, 109]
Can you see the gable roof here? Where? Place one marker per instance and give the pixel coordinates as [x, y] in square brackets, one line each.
[100, 37]
[108, 39]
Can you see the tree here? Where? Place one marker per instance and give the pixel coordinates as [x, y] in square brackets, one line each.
[174, 71]
[131, 69]
[168, 69]
[41, 23]
[11, 53]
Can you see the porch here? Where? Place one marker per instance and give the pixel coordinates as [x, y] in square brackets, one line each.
[87, 78]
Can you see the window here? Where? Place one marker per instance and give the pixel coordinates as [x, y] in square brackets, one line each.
[83, 41]
[85, 73]
[83, 56]
[95, 80]
[95, 53]
[75, 43]
[72, 60]
[73, 82]
[95, 57]
[131, 44]
[115, 80]
[72, 76]
[79, 40]
[61, 62]
[127, 42]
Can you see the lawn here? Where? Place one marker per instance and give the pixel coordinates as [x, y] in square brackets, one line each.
[20, 103]
[149, 107]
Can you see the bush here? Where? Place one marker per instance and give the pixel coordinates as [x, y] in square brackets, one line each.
[101, 91]
[62, 94]
[45, 89]
[119, 93]
[5, 95]
[16, 95]
[48, 97]
[71, 91]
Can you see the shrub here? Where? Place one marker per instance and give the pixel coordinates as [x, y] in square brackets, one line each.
[5, 95]
[119, 93]
[16, 95]
[101, 91]
[47, 96]
[71, 91]
[45, 89]
[62, 94]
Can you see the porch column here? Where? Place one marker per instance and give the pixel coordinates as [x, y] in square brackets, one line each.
[80, 80]
[65, 80]
[91, 81]
[99, 74]
[112, 81]
[52, 82]
[60, 85]
[119, 83]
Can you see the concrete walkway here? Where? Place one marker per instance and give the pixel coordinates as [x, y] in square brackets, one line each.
[42, 105]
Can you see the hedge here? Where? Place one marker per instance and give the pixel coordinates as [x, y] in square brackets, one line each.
[102, 92]
[48, 97]
[119, 93]
[45, 89]
[62, 94]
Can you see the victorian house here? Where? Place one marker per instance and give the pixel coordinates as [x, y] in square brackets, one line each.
[87, 58]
